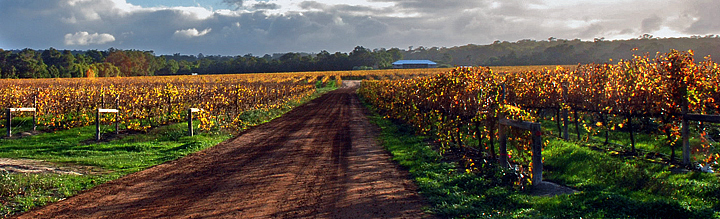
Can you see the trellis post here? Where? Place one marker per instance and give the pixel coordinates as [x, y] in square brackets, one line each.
[502, 132]
[190, 120]
[537, 165]
[97, 125]
[117, 115]
[35, 113]
[566, 134]
[536, 132]
[8, 122]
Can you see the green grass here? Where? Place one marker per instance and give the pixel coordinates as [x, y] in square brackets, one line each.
[20, 192]
[451, 192]
[645, 140]
[626, 187]
[611, 187]
[117, 157]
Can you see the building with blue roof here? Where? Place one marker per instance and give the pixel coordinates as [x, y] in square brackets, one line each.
[414, 64]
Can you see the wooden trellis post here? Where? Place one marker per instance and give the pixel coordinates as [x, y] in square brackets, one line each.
[536, 131]
[565, 133]
[8, 122]
[117, 115]
[35, 113]
[687, 117]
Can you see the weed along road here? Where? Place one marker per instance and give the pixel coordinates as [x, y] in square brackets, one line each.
[320, 160]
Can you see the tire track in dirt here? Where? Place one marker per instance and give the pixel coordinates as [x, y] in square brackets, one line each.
[319, 160]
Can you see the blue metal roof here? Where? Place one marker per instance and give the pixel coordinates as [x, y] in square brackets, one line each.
[414, 62]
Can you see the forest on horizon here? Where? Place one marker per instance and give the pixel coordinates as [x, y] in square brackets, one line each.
[53, 63]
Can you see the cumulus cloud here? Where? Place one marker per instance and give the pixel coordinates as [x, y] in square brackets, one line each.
[261, 26]
[192, 32]
[85, 38]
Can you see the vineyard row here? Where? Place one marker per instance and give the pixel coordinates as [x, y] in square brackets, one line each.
[145, 102]
[465, 103]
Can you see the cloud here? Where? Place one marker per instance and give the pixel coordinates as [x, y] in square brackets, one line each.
[85, 38]
[705, 15]
[265, 6]
[312, 5]
[235, 3]
[192, 32]
[260, 26]
[651, 24]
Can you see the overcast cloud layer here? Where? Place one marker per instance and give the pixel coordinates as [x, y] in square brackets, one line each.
[263, 27]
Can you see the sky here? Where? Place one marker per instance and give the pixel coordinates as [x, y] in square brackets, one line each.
[258, 27]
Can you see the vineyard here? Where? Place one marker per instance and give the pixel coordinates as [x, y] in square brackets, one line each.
[465, 112]
[146, 102]
[151, 112]
[461, 107]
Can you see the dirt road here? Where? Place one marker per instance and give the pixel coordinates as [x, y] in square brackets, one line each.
[320, 160]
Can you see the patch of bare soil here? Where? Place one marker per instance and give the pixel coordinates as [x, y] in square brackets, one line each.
[320, 160]
[19, 135]
[546, 188]
[37, 166]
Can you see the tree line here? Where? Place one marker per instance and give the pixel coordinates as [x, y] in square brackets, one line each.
[555, 51]
[53, 63]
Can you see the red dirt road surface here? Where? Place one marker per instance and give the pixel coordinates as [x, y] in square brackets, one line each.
[319, 160]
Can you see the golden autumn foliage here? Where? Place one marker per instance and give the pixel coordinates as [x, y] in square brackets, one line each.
[462, 101]
[145, 102]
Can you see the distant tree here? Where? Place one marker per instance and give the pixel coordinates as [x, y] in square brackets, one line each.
[29, 64]
[186, 67]
[10, 72]
[83, 59]
[171, 68]
[395, 53]
[360, 56]
[96, 56]
[105, 69]
[131, 63]
[155, 63]
[51, 56]
[122, 61]
[446, 58]
[5, 64]
[54, 71]
[558, 55]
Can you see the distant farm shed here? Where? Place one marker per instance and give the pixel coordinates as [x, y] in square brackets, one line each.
[414, 64]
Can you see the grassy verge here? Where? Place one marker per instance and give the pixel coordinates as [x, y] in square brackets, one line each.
[610, 187]
[20, 192]
[647, 139]
[625, 187]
